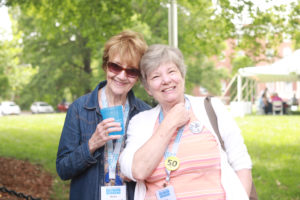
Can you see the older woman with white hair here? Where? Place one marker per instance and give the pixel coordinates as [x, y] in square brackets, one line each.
[172, 150]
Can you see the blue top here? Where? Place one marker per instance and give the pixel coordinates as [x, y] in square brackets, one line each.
[74, 160]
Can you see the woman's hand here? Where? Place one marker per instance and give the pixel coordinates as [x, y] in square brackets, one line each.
[100, 136]
[178, 116]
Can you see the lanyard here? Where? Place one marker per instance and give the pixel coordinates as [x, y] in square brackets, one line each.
[113, 152]
[177, 139]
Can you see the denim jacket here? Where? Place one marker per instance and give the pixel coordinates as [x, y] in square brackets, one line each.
[74, 160]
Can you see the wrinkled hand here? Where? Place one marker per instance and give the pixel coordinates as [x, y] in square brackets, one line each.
[100, 136]
[178, 116]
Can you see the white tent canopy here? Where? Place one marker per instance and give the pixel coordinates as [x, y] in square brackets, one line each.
[286, 69]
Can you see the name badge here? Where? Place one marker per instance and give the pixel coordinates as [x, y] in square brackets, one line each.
[113, 192]
[166, 193]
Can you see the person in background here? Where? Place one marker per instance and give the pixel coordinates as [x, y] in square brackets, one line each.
[294, 100]
[264, 103]
[82, 154]
[284, 105]
[294, 103]
[275, 97]
[172, 149]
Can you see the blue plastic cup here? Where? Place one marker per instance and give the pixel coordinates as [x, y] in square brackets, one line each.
[115, 112]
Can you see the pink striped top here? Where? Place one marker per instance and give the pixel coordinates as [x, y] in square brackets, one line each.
[199, 172]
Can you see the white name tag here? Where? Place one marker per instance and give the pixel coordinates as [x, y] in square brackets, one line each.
[113, 192]
[166, 193]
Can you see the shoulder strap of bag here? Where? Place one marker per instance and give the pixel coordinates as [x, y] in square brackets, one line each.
[214, 122]
[213, 119]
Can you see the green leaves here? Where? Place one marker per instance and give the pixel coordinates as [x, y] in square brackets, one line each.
[64, 39]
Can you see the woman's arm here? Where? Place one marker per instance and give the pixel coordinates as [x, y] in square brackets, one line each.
[150, 154]
[147, 157]
[245, 177]
[236, 149]
[73, 156]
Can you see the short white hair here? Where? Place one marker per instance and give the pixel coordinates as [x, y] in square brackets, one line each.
[158, 54]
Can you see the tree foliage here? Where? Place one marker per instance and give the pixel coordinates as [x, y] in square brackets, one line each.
[269, 28]
[294, 24]
[63, 39]
[3, 64]
[241, 62]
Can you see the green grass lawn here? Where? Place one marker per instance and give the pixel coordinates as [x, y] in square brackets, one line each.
[273, 143]
[34, 138]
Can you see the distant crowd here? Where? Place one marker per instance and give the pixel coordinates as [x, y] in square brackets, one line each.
[275, 104]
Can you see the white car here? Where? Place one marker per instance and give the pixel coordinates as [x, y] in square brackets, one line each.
[41, 107]
[9, 108]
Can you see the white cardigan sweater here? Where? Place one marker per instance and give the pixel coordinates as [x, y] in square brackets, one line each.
[235, 158]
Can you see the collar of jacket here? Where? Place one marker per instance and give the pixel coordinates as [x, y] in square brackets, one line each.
[92, 100]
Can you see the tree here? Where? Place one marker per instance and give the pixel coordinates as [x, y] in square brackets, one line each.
[241, 62]
[294, 24]
[201, 34]
[268, 28]
[14, 76]
[64, 39]
[3, 64]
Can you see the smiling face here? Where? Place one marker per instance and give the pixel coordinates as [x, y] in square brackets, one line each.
[166, 85]
[120, 84]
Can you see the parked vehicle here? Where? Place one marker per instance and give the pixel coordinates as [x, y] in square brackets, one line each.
[9, 108]
[41, 107]
[63, 107]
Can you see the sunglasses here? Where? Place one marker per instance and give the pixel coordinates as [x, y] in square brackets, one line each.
[116, 69]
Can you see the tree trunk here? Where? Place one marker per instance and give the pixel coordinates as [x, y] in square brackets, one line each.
[87, 69]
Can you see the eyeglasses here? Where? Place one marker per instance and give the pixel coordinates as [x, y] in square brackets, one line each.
[116, 69]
